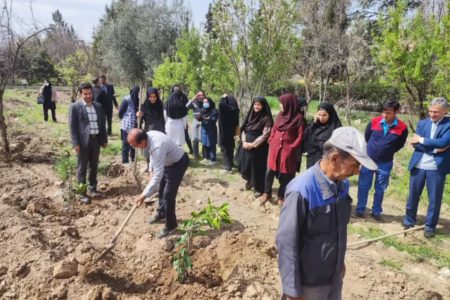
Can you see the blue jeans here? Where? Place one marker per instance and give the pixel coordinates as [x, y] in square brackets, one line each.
[381, 183]
[210, 153]
[435, 187]
[127, 150]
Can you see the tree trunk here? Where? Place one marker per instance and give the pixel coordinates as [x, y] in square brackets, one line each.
[3, 127]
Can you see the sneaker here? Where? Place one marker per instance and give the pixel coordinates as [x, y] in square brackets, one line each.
[378, 218]
[155, 219]
[85, 200]
[211, 163]
[358, 215]
[93, 193]
[429, 233]
[258, 194]
[165, 232]
[204, 161]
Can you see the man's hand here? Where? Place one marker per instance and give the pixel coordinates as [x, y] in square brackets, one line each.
[440, 150]
[139, 114]
[140, 200]
[77, 149]
[415, 139]
[104, 145]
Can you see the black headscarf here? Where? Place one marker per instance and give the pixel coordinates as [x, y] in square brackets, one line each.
[207, 111]
[47, 91]
[134, 94]
[318, 133]
[255, 121]
[228, 119]
[176, 105]
[155, 110]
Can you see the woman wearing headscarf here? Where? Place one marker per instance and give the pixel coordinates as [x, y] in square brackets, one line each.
[317, 133]
[49, 95]
[252, 157]
[284, 147]
[175, 113]
[127, 114]
[228, 122]
[209, 116]
[196, 104]
[152, 112]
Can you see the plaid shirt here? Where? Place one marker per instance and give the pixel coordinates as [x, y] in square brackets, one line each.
[129, 117]
[92, 115]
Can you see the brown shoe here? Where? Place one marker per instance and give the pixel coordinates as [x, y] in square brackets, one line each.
[264, 198]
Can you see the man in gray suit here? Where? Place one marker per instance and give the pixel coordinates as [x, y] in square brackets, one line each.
[88, 133]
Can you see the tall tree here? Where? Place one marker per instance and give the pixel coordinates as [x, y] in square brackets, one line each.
[409, 48]
[132, 36]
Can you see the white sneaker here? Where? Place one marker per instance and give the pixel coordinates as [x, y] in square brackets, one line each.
[211, 163]
[204, 161]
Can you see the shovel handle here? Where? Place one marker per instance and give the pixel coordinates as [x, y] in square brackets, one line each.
[116, 235]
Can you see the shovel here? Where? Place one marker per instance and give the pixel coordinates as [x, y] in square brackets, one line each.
[112, 244]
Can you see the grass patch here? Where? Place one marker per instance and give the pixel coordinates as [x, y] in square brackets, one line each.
[64, 165]
[112, 149]
[391, 264]
[419, 253]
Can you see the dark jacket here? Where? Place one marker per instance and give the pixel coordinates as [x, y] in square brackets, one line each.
[99, 96]
[151, 123]
[110, 98]
[79, 124]
[441, 140]
[209, 129]
[382, 147]
[312, 234]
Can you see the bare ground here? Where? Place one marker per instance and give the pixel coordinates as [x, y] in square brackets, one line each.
[38, 232]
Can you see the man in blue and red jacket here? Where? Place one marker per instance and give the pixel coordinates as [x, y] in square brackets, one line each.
[385, 135]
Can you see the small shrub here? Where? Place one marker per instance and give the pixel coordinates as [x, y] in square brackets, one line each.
[65, 165]
[210, 217]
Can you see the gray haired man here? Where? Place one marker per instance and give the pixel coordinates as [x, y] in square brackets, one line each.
[312, 234]
[430, 164]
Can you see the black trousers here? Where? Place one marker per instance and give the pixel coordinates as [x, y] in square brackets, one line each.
[283, 179]
[173, 175]
[228, 154]
[46, 113]
[88, 157]
[127, 151]
[188, 141]
[109, 114]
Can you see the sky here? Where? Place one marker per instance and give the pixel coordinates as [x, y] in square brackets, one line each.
[84, 15]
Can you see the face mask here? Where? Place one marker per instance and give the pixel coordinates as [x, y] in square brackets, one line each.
[206, 105]
[46, 84]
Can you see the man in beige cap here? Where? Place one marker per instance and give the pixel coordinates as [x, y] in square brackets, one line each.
[312, 234]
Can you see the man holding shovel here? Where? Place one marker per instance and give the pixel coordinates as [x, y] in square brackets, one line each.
[168, 163]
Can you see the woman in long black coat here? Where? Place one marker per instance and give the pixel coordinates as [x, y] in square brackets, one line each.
[228, 122]
[317, 133]
[252, 156]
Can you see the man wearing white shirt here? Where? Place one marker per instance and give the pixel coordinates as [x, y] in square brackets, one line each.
[168, 163]
[429, 164]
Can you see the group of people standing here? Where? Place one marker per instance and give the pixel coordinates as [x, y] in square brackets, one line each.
[316, 206]
[271, 149]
